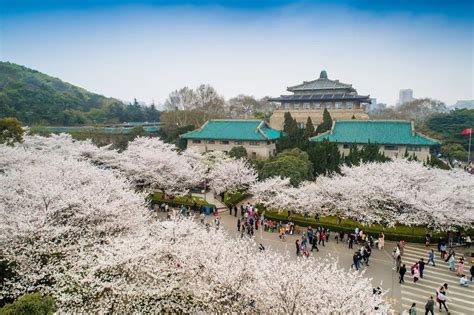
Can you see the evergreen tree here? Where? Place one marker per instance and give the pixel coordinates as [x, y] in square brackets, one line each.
[325, 157]
[406, 155]
[326, 124]
[353, 158]
[290, 126]
[309, 130]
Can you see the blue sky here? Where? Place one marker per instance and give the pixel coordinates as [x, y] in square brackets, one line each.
[145, 49]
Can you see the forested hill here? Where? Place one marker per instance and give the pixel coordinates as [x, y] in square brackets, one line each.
[36, 98]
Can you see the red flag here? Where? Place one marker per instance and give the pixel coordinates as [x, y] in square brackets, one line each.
[467, 131]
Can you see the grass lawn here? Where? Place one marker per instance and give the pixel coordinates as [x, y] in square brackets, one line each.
[157, 198]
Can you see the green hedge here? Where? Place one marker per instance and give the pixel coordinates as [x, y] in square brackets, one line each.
[235, 198]
[157, 198]
[400, 232]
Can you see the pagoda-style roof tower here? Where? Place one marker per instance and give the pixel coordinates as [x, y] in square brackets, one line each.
[322, 89]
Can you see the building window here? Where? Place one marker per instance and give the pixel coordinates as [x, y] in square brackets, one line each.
[317, 105]
[225, 142]
[211, 141]
[306, 106]
[346, 146]
[254, 154]
[296, 106]
[391, 148]
[328, 105]
[349, 105]
[338, 105]
[238, 142]
[253, 143]
[196, 141]
[286, 105]
[413, 148]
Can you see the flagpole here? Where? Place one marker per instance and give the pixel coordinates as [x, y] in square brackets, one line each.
[469, 150]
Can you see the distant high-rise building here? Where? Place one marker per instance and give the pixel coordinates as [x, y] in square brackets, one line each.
[381, 106]
[405, 96]
[373, 104]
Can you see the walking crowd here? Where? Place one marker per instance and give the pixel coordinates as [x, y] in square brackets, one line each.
[446, 249]
[250, 220]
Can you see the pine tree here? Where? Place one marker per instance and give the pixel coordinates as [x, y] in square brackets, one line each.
[309, 130]
[290, 126]
[326, 124]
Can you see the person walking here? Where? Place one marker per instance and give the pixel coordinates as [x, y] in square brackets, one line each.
[429, 306]
[398, 262]
[472, 272]
[314, 244]
[367, 253]
[416, 273]
[402, 272]
[351, 240]
[412, 310]
[298, 249]
[421, 266]
[235, 211]
[381, 241]
[431, 256]
[442, 249]
[238, 225]
[356, 260]
[452, 262]
[461, 267]
[441, 297]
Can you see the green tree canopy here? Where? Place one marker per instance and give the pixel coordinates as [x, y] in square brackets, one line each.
[31, 304]
[293, 164]
[36, 98]
[454, 151]
[238, 152]
[325, 158]
[448, 126]
[11, 131]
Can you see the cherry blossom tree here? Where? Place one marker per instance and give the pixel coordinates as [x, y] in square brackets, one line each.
[52, 207]
[230, 175]
[155, 165]
[395, 192]
[152, 272]
[78, 231]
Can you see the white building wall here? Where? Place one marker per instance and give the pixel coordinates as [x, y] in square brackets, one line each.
[261, 149]
[422, 152]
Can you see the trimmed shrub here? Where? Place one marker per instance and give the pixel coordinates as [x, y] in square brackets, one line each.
[417, 235]
[235, 198]
[31, 304]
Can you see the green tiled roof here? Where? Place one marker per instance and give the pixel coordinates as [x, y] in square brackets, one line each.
[382, 132]
[234, 130]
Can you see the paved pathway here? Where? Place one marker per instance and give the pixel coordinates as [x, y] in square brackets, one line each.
[460, 300]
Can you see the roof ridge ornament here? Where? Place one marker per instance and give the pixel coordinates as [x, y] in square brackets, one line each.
[323, 75]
